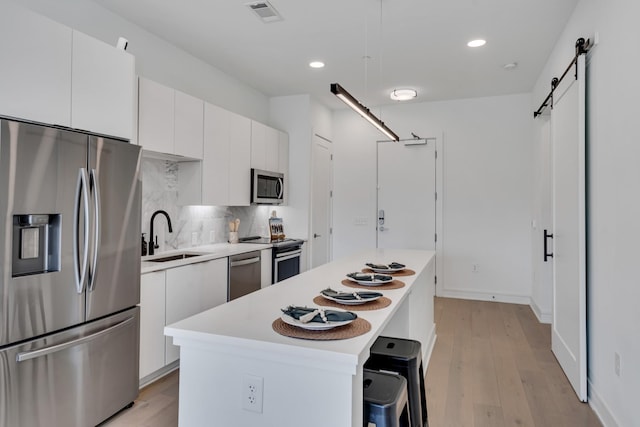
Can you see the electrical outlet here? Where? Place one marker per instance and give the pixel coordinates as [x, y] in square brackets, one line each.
[252, 388]
[616, 366]
[212, 236]
[194, 238]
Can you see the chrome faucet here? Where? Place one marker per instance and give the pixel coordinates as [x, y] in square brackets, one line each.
[154, 245]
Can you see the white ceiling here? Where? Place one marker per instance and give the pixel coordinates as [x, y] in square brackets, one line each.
[411, 43]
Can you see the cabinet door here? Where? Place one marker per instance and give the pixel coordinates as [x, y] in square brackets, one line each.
[155, 116]
[192, 289]
[239, 161]
[266, 267]
[188, 127]
[265, 143]
[35, 76]
[215, 160]
[102, 87]
[258, 145]
[152, 306]
[272, 145]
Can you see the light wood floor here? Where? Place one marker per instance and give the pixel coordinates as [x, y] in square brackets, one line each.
[156, 406]
[491, 366]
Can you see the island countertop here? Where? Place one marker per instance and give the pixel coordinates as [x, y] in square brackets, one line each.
[238, 337]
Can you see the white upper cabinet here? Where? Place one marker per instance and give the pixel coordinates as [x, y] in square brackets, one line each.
[35, 76]
[54, 75]
[264, 147]
[169, 121]
[155, 116]
[269, 148]
[226, 168]
[102, 87]
[188, 125]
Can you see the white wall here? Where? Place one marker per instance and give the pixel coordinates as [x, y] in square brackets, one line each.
[292, 114]
[613, 198]
[155, 58]
[301, 117]
[487, 189]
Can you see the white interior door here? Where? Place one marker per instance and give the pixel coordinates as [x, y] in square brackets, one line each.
[320, 202]
[569, 327]
[407, 194]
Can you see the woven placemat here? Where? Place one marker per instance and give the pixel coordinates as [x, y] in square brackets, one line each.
[381, 302]
[405, 272]
[356, 328]
[395, 284]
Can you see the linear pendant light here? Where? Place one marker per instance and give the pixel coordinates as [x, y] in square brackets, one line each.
[348, 99]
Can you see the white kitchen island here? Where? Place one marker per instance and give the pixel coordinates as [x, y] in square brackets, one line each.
[306, 383]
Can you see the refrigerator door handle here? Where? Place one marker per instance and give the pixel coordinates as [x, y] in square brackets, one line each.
[82, 203]
[27, 355]
[96, 229]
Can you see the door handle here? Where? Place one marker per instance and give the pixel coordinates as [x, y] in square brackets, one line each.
[27, 355]
[81, 207]
[315, 235]
[547, 236]
[96, 229]
[381, 228]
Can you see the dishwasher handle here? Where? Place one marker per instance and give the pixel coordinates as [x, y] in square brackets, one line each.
[244, 262]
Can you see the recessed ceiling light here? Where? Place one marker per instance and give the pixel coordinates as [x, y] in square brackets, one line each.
[477, 43]
[403, 94]
[316, 64]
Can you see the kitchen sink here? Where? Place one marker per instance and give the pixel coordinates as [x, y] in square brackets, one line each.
[174, 257]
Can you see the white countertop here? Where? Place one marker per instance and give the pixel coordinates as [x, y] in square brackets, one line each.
[245, 323]
[209, 252]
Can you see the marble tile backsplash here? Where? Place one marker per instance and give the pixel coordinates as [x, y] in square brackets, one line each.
[192, 225]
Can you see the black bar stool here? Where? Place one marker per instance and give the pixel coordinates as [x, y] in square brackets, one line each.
[386, 403]
[404, 357]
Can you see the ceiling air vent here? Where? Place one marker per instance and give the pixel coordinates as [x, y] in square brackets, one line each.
[265, 11]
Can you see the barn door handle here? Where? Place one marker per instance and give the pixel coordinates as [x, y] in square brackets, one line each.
[547, 236]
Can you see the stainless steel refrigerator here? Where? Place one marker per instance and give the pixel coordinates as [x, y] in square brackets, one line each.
[69, 275]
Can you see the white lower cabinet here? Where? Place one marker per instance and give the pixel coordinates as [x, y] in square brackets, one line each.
[266, 261]
[152, 340]
[192, 289]
[171, 295]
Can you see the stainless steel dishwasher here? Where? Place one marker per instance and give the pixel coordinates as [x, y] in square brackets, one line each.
[244, 274]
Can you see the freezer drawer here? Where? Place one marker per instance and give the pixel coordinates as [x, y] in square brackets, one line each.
[75, 378]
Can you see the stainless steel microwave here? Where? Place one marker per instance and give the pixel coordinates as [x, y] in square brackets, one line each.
[267, 188]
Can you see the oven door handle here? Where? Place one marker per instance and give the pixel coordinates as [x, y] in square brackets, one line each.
[288, 255]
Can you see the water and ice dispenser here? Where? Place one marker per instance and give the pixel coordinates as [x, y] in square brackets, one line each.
[36, 244]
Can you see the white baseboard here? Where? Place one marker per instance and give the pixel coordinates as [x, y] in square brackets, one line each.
[600, 407]
[542, 316]
[483, 296]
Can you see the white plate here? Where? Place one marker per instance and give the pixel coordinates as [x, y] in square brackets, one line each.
[313, 326]
[385, 270]
[350, 302]
[370, 282]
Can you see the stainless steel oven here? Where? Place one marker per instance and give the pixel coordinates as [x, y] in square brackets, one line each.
[286, 261]
[286, 255]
